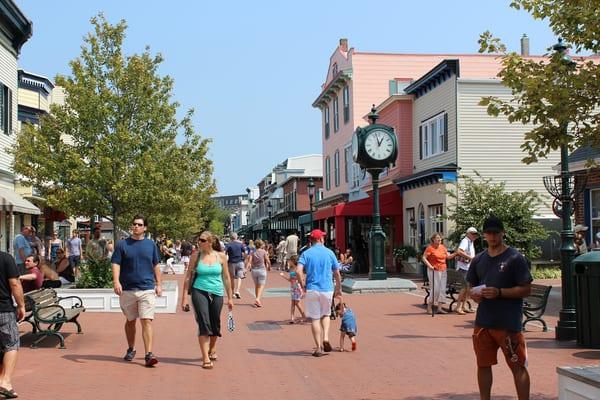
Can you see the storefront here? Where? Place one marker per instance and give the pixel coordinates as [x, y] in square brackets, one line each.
[347, 225]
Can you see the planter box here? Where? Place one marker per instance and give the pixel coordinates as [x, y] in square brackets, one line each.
[579, 383]
[105, 300]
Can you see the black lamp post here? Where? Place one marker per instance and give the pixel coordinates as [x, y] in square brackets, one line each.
[270, 210]
[311, 196]
[562, 188]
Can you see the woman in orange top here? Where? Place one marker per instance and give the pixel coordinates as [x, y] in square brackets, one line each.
[434, 258]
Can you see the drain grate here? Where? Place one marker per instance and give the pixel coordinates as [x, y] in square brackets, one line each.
[261, 326]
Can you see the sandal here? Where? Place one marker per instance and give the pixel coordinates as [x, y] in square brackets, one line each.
[318, 353]
[207, 365]
[460, 311]
[440, 310]
[326, 347]
[257, 304]
[213, 356]
[8, 394]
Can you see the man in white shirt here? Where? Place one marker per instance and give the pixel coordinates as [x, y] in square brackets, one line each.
[291, 248]
[466, 252]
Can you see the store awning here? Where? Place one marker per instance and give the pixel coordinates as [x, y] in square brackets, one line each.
[12, 201]
[389, 204]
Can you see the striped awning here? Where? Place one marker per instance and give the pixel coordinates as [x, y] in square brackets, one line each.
[12, 201]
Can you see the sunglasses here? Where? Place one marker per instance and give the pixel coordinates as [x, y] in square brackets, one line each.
[203, 240]
[137, 224]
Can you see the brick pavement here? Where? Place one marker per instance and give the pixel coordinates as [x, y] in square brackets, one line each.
[402, 354]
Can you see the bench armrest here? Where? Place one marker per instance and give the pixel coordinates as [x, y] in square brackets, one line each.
[78, 304]
[58, 316]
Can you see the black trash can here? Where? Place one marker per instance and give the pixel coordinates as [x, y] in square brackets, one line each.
[587, 277]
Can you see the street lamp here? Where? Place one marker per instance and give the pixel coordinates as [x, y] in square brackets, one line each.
[311, 196]
[270, 210]
[562, 188]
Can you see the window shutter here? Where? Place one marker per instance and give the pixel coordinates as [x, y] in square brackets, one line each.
[420, 142]
[446, 132]
[9, 114]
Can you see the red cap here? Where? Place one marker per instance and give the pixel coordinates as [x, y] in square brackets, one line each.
[317, 234]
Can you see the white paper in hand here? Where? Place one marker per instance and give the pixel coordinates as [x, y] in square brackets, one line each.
[230, 322]
[477, 290]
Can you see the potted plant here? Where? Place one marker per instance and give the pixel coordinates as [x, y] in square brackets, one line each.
[404, 254]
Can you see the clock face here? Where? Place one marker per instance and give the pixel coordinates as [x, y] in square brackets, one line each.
[354, 146]
[379, 145]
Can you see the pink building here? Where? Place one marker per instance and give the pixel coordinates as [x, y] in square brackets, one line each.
[355, 81]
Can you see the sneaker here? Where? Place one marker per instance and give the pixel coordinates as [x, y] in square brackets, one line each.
[129, 355]
[151, 359]
[237, 295]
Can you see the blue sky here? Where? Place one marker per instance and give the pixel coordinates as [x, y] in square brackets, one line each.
[251, 69]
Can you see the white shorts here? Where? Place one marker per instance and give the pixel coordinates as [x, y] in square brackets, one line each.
[185, 259]
[138, 304]
[317, 304]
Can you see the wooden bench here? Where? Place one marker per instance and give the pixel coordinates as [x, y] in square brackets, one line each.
[455, 282]
[534, 305]
[45, 314]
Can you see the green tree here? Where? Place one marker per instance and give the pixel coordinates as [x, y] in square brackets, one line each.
[552, 93]
[475, 200]
[111, 149]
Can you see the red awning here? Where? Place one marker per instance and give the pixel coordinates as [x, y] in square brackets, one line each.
[389, 203]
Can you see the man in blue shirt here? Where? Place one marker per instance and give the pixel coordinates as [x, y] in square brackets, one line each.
[235, 261]
[137, 282]
[499, 279]
[22, 249]
[321, 267]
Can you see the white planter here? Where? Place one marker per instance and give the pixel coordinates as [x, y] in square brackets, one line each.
[105, 300]
[579, 383]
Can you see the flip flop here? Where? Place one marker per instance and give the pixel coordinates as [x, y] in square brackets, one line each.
[9, 394]
[207, 365]
[326, 347]
[213, 357]
[318, 353]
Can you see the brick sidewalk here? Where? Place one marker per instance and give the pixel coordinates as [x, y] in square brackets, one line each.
[402, 354]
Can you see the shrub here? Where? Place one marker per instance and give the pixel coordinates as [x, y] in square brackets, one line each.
[404, 252]
[546, 273]
[95, 274]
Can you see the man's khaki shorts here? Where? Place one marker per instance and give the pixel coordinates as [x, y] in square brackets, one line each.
[138, 304]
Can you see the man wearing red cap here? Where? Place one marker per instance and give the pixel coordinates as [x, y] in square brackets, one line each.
[320, 266]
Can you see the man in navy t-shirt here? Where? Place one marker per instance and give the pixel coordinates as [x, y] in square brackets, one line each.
[235, 261]
[499, 279]
[136, 280]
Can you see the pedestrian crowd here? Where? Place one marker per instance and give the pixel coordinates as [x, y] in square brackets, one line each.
[497, 279]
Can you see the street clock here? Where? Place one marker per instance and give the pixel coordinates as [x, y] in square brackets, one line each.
[374, 146]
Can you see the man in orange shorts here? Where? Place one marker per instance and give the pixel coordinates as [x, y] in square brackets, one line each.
[499, 279]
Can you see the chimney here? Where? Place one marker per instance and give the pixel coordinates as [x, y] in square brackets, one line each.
[525, 46]
[344, 45]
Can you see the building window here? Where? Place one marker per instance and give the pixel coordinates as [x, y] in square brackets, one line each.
[5, 109]
[436, 219]
[347, 158]
[433, 136]
[326, 121]
[327, 173]
[336, 168]
[346, 104]
[411, 227]
[336, 115]
[356, 173]
[595, 213]
[334, 70]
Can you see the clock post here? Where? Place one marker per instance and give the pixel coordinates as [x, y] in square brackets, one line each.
[376, 234]
[374, 148]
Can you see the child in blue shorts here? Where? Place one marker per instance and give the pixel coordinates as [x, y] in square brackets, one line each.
[348, 326]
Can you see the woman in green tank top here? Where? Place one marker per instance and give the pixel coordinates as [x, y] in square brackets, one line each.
[208, 277]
